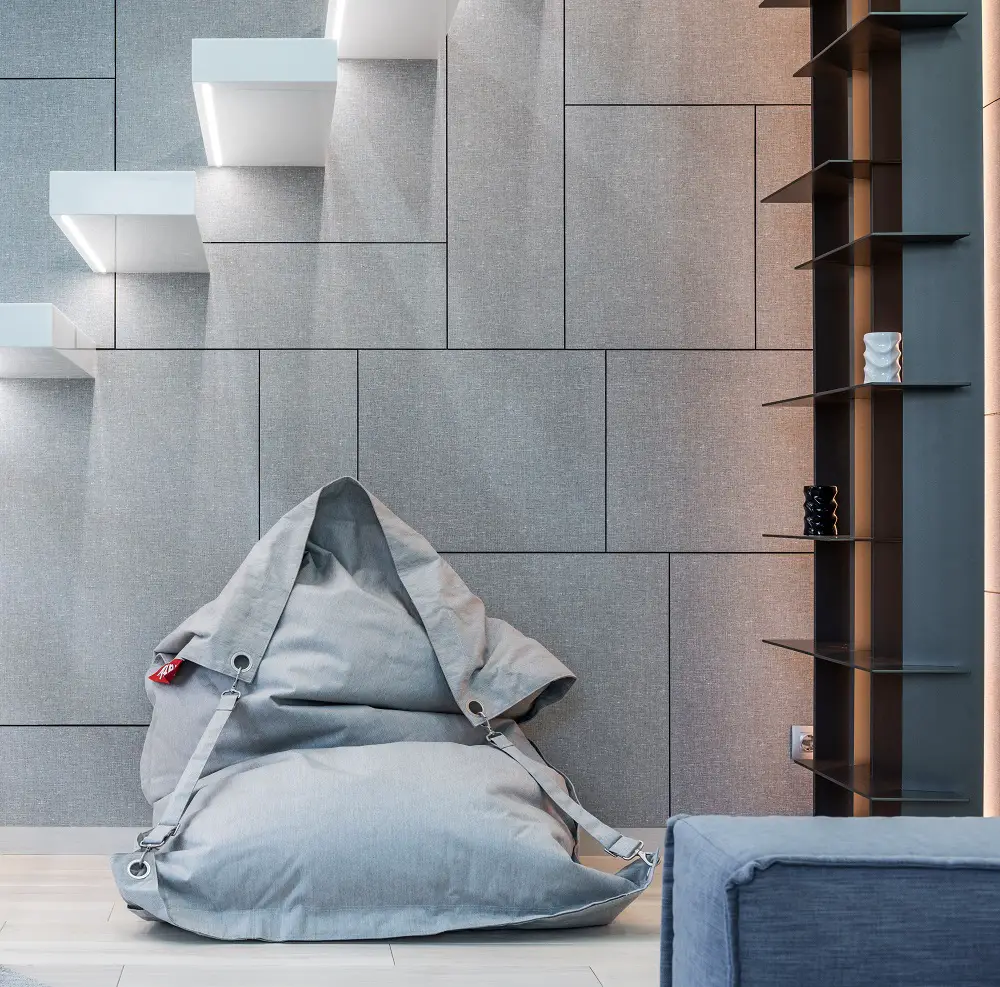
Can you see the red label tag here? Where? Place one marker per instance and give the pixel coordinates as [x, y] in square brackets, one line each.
[165, 673]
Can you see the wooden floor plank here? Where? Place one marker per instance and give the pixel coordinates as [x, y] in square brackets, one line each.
[148, 976]
[64, 976]
[61, 918]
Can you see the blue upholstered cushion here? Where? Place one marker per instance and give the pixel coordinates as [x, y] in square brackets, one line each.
[793, 902]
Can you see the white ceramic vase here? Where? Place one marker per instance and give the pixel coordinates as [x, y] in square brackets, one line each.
[882, 357]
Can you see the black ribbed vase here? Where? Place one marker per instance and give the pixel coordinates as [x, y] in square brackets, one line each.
[820, 511]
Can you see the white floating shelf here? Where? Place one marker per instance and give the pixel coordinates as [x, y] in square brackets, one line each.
[265, 101]
[37, 340]
[389, 28]
[135, 222]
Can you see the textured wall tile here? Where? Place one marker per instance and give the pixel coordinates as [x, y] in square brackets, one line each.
[659, 226]
[732, 698]
[294, 295]
[385, 174]
[784, 232]
[135, 500]
[607, 618]
[308, 426]
[71, 776]
[157, 117]
[484, 451]
[62, 38]
[694, 462]
[505, 188]
[713, 51]
[51, 126]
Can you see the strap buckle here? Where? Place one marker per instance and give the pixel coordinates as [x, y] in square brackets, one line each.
[648, 858]
[141, 844]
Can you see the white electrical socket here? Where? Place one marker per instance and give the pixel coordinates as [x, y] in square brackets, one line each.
[802, 743]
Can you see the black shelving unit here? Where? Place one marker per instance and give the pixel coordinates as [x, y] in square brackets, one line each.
[878, 31]
[897, 640]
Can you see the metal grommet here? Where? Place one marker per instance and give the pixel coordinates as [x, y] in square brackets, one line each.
[240, 662]
[476, 708]
[139, 869]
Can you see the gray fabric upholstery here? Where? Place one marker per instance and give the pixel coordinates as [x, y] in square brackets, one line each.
[341, 786]
[785, 902]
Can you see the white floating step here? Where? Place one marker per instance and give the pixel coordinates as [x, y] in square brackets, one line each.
[37, 340]
[389, 28]
[265, 101]
[135, 222]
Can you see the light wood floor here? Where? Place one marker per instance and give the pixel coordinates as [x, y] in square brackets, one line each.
[62, 923]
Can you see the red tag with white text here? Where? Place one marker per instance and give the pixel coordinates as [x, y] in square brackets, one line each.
[164, 675]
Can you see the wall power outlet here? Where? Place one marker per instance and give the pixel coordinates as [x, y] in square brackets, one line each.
[802, 743]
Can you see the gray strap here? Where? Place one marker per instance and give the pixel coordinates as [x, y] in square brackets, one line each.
[552, 784]
[164, 829]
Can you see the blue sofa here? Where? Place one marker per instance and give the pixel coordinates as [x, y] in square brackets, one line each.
[796, 902]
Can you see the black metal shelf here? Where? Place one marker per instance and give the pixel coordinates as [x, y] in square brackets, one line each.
[856, 778]
[862, 251]
[862, 659]
[860, 392]
[831, 178]
[878, 31]
[838, 538]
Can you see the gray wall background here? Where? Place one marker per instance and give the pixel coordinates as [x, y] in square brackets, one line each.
[531, 303]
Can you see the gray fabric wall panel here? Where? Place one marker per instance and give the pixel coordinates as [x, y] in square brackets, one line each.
[292, 295]
[733, 698]
[157, 118]
[712, 51]
[695, 464]
[385, 175]
[52, 125]
[135, 498]
[486, 451]
[331, 305]
[784, 232]
[607, 617]
[505, 180]
[659, 241]
[385, 179]
[308, 426]
[71, 776]
[57, 38]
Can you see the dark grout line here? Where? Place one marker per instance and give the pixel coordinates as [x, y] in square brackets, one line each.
[605, 450]
[446, 349]
[565, 190]
[616, 551]
[327, 243]
[357, 415]
[260, 429]
[447, 215]
[114, 159]
[705, 106]
[755, 227]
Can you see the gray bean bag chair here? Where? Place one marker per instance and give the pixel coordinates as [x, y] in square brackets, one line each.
[335, 752]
